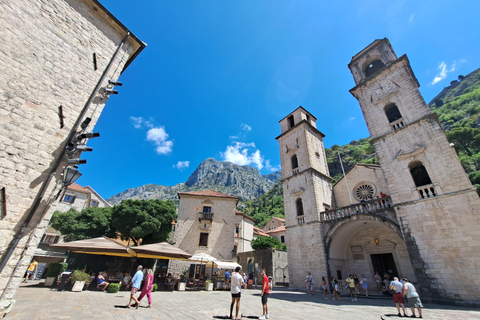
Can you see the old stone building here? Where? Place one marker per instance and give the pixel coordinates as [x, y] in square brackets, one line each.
[415, 215]
[59, 62]
[78, 197]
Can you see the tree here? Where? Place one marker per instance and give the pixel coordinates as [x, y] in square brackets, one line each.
[265, 243]
[87, 224]
[150, 220]
[467, 139]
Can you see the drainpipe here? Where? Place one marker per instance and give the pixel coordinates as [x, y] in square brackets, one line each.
[13, 244]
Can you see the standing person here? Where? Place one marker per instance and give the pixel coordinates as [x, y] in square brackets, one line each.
[357, 282]
[147, 288]
[310, 280]
[378, 280]
[227, 279]
[364, 284]
[334, 287]
[351, 287]
[307, 284]
[325, 287]
[270, 281]
[265, 292]
[136, 281]
[32, 269]
[126, 281]
[398, 295]
[236, 289]
[411, 294]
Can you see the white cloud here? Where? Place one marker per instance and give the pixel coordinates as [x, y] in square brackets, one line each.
[241, 135]
[160, 138]
[444, 70]
[181, 165]
[272, 168]
[243, 154]
[246, 127]
[411, 17]
[351, 118]
[139, 122]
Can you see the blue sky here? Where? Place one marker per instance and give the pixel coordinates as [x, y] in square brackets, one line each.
[217, 76]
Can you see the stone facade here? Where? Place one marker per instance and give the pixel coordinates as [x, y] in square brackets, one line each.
[243, 232]
[79, 198]
[56, 60]
[275, 263]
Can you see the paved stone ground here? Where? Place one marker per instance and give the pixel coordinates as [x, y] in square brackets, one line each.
[34, 302]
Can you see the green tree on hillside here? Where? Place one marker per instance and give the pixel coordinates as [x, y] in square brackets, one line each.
[267, 242]
[465, 139]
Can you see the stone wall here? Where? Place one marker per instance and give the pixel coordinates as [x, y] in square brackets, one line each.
[275, 263]
[48, 74]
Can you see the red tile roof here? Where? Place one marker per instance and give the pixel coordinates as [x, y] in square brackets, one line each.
[240, 213]
[279, 229]
[281, 219]
[76, 187]
[260, 232]
[207, 193]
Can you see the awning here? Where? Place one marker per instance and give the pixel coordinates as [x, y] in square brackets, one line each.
[224, 264]
[161, 250]
[101, 246]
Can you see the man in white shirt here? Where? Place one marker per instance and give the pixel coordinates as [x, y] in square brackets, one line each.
[236, 289]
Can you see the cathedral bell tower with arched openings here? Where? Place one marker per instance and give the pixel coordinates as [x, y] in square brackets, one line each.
[307, 191]
[436, 206]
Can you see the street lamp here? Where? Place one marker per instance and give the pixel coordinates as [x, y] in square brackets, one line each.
[70, 174]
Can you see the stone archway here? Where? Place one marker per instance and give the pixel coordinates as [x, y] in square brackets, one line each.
[364, 244]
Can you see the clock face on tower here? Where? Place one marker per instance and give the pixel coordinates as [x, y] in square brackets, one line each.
[382, 88]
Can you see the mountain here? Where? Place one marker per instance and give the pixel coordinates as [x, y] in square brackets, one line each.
[244, 182]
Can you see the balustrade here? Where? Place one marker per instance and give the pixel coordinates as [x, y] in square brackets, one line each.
[426, 191]
[205, 216]
[372, 206]
[397, 124]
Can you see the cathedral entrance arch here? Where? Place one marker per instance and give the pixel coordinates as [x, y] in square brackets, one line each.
[365, 246]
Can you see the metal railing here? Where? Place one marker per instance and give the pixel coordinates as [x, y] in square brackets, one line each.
[205, 216]
[375, 206]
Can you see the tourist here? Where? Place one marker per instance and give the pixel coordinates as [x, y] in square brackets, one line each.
[398, 295]
[325, 287]
[126, 280]
[236, 291]
[227, 279]
[265, 292]
[351, 287]
[147, 288]
[136, 281]
[378, 280]
[411, 294]
[245, 278]
[270, 281]
[102, 282]
[364, 284]
[31, 270]
[356, 281]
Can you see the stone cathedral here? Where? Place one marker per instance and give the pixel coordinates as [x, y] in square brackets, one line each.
[415, 214]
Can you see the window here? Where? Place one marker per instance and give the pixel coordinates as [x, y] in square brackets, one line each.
[299, 207]
[294, 162]
[364, 191]
[69, 198]
[282, 239]
[94, 203]
[203, 240]
[419, 174]
[3, 203]
[373, 67]
[392, 112]
[207, 209]
[50, 239]
[291, 122]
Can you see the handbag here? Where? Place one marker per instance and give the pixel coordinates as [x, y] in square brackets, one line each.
[392, 287]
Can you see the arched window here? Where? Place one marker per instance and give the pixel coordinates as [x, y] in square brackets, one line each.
[294, 162]
[299, 207]
[291, 122]
[392, 112]
[373, 67]
[419, 174]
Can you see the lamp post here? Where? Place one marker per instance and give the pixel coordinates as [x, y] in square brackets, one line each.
[70, 174]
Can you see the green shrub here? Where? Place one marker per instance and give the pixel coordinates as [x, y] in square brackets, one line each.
[79, 275]
[114, 287]
[54, 269]
[154, 287]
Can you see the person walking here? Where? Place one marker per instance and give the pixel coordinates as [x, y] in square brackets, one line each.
[398, 295]
[351, 287]
[325, 287]
[227, 279]
[378, 281]
[136, 281]
[413, 298]
[236, 291]
[31, 270]
[265, 292]
[357, 283]
[147, 288]
[364, 284]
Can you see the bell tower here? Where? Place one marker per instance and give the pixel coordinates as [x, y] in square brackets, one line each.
[436, 206]
[307, 191]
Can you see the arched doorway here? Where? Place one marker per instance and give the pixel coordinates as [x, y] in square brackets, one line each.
[365, 246]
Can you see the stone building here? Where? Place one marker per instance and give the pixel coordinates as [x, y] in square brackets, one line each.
[59, 62]
[78, 197]
[243, 232]
[424, 223]
[275, 228]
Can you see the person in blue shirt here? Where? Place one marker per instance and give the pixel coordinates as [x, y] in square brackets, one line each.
[136, 282]
[227, 279]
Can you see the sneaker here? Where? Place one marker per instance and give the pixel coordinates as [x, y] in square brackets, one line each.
[262, 318]
[353, 299]
[266, 316]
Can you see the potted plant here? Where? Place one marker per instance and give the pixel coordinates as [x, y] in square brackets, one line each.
[79, 277]
[208, 285]
[114, 287]
[183, 280]
[54, 269]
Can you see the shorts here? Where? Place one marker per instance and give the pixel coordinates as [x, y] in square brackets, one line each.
[236, 295]
[264, 298]
[352, 289]
[414, 302]
[134, 290]
[30, 272]
[398, 297]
